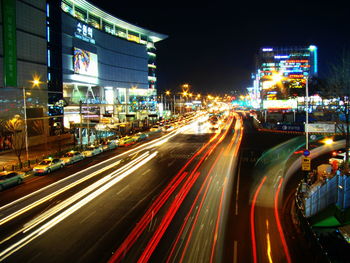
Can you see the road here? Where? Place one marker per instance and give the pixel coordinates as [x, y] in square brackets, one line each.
[191, 195]
[85, 216]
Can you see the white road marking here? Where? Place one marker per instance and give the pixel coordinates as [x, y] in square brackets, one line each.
[122, 189]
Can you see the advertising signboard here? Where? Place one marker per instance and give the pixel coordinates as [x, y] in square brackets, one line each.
[280, 104]
[9, 43]
[85, 62]
[321, 127]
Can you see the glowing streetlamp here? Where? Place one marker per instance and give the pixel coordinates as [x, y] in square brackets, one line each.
[328, 141]
[35, 83]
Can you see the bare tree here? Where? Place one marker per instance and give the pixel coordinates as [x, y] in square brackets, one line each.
[15, 127]
[339, 88]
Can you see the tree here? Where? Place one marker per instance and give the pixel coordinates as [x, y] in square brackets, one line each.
[339, 88]
[15, 127]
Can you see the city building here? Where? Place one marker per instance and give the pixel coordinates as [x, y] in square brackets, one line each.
[100, 68]
[23, 65]
[282, 72]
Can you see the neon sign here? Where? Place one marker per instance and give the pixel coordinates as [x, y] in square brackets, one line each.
[84, 33]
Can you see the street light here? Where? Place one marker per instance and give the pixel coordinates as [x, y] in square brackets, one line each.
[25, 121]
[167, 93]
[307, 113]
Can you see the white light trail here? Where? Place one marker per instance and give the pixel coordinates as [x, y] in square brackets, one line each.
[54, 221]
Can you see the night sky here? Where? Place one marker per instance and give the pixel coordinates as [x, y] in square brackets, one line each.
[213, 47]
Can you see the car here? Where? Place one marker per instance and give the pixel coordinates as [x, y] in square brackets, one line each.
[72, 157]
[155, 128]
[126, 141]
[140, 136]
[48, 165]
[109, 145]
[337, 156]
[168, 128]
[92, 150]
[10, 178]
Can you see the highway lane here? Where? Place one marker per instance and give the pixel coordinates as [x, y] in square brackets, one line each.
[270, 232]
[105, 220]
[200, 236]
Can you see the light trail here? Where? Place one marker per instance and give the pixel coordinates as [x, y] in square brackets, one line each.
[218, 221]
[54, 194]
[155, 207]
[147, 252]
[279, 225]
[135, 150]
[152, 244]
[188, 215]
[38, 220]
[197, 213]
[252, 223]
[54, 221]
[268, 242]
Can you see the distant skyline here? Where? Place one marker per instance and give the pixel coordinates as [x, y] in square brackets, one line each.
[213, 48]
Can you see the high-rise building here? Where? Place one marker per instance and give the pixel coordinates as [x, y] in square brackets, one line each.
[23, 64]
[68, 62]
[98, 64]
[282, 72]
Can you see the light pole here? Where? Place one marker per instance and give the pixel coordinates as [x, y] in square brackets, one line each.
[25, 121]
[307, 113]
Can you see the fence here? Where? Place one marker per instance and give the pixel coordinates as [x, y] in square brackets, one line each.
[335, 191]
[312, 240]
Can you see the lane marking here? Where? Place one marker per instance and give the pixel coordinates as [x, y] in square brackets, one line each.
[146, 172]
[122, 190]
[252, 223]
[237, 189]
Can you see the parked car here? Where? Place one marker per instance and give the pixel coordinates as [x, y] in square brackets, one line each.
[109, 145]
[92, 150]
[140, 136]
[72, 157]
[10, 178]
[338, 156]
[48, 165]
[155, 128]
[126, 141]
[168, 128]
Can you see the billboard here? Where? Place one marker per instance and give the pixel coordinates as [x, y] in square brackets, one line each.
[85, 62]
[321, 127]
[280, 104]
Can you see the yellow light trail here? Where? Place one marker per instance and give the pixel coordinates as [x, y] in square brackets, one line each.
[268, 242]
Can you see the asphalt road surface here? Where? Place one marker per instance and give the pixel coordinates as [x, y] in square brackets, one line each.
[191, 195]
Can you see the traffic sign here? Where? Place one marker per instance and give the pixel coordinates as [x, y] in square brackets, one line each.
[306, 163]
[306, 153]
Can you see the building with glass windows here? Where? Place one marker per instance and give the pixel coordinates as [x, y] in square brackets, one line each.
[100, 68]
[282, 72]
[23, 65]
[68, 63]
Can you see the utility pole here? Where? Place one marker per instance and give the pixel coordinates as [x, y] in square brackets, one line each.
[81, 123]
[25, 121]
[307, 114]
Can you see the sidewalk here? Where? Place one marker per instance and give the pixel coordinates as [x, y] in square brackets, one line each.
[38, 152]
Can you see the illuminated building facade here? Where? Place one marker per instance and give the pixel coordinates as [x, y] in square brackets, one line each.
[282, 71]
[99, 67]
[23, 65]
